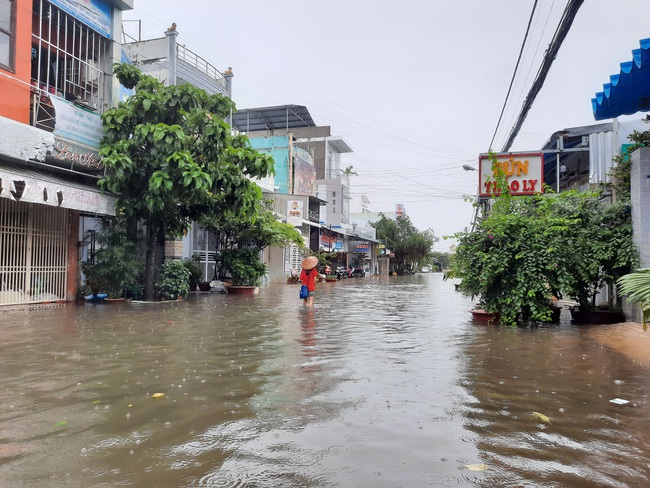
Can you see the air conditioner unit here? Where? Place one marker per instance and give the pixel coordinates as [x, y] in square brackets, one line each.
[90, 73]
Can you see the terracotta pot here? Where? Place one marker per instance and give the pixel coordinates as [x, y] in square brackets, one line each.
[485, 317]
[242, 290]
[596, 316]
[115, 300]
[330, 280]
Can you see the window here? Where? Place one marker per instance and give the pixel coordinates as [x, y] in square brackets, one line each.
[69, 60]
[7, 34]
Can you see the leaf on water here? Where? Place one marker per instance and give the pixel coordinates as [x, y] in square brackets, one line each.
[97, 402]
[476, 467]
[158, 395]
[60, 423]
[542, 417]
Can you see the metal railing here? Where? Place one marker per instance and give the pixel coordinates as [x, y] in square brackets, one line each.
[199, 63]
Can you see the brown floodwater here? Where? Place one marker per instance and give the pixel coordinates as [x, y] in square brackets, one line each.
[387, 382]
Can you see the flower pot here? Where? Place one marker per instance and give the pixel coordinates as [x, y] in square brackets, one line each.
[115, 300]
[596, 316]
[242, 290]
[485, 317]
[204, 286]
[330, 279]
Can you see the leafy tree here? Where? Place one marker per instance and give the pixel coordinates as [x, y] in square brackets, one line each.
[409, 245]
[530, 248]
[256, 231]
[169, 158]
[349, 171]
[622, 166]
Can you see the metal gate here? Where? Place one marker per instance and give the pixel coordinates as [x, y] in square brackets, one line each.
[33, 252]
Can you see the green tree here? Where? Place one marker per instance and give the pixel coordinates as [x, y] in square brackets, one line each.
[620, 171]
[256, 230]
[409, 245]
[169, 158]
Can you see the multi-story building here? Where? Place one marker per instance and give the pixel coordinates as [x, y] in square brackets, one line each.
[55, 81]
[308, 170]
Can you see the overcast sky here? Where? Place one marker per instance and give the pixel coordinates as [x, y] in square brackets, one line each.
[415, 87]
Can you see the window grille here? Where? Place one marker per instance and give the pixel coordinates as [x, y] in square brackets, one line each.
[69, 61]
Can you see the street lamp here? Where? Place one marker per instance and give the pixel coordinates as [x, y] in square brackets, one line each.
[467, 167]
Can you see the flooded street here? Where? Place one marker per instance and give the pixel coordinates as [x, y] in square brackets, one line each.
[386, 383]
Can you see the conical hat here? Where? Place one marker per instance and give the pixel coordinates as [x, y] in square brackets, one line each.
[310, 262]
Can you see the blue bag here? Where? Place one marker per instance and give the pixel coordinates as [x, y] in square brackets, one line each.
[304, 293]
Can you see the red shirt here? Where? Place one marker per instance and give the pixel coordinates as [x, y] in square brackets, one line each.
[309, 278]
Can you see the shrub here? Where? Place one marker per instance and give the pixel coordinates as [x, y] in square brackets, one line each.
[173, 280]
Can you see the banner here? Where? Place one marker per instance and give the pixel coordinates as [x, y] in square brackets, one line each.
[96, 14]
[76, 124]
[304, 173]
[294, 212]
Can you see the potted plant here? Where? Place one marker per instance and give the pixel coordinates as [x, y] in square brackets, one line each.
[241, 239]
[116, 265]
[598, 251]
[508, 261]
[192, 265]
[173, 281]
[245, 268]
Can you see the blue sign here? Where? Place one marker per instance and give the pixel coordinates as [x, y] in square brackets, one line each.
[96, 14]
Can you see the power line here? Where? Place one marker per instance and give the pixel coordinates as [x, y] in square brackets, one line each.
[561, 32]
[514, 74]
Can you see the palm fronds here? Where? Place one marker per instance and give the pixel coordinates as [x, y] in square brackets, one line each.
[636, 286]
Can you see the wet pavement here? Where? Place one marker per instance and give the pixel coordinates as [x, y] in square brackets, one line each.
[387, 382]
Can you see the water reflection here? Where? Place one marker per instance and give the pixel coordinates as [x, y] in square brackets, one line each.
[386, 382]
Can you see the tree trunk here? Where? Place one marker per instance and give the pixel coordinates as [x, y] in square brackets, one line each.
[150, 265]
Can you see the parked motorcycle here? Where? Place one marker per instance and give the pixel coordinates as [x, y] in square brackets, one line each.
[341, 272]
[358, 272]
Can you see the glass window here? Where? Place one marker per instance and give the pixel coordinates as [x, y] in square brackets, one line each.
[6, 33]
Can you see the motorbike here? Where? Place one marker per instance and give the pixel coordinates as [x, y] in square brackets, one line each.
[341, 272]
[358, 272]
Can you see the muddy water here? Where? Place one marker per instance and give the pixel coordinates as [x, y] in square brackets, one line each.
[386, 383]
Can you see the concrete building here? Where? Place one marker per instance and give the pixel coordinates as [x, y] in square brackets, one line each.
[55, 81]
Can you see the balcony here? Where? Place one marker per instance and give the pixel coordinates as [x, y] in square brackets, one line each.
[191, 60]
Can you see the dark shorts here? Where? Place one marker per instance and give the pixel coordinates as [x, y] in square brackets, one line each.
[312, 293]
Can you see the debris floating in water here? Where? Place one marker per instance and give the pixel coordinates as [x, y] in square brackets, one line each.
[542, 417]
[476, 467]
[619, 401]
[158, 395]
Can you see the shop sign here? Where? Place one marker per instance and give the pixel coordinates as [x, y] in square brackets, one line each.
[524, 173]
[71, 155]
[361, 247]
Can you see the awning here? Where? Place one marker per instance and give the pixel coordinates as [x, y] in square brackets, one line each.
[272, 118]
[628, 92]
[32, 186]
